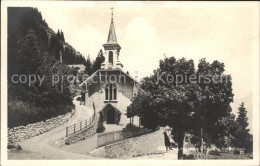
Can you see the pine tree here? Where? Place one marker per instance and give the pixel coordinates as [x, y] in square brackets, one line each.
[243, 138]
[98, 61]
[62, 36]
[58, 34]
[242, 118]
[29, 53]
[88, 66]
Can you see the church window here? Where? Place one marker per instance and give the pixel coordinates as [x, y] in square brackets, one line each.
[110, 92]
[186, 139]
[110, 57]
[106, 91]
[114, 93]
[134, 94]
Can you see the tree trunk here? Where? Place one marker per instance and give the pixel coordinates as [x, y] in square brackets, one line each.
[180, 139]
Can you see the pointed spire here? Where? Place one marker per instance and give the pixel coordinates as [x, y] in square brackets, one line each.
[112, 9]
[112, 33]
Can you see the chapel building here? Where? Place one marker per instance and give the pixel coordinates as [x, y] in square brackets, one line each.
[110, 90]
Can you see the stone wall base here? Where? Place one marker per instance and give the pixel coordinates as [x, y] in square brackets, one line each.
[151, 143]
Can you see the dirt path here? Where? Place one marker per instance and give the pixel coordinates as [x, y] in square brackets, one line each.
[42, 146]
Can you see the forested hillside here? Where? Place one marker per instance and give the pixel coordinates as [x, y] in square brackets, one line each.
[34, 50]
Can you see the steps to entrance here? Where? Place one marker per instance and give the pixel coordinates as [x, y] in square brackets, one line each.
[113, 127]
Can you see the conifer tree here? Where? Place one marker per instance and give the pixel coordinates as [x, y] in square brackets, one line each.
[62, 36]
[243, 138]
[98, 61]
[242, 118]
[88, 66]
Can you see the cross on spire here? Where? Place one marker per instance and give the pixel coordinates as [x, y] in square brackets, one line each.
[112, 13]
[112, 32]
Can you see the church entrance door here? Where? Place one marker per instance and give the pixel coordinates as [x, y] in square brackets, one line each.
[111, 116]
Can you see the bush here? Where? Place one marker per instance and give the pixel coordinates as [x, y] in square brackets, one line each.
[188, 157]
[191, 157]
[19, 147]
[67, 142]
[236, 151]
[14, 147]
[130, 126]
[11, 146]
[101, 128]
[214, 152]
[249, 155]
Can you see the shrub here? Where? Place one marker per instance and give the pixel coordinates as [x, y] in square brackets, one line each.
[19, 147]
[236, 151]
[214, 152]
[250, 155]
[14, 147]
[11, 146]
[130, 126]
[101, 127]
[191, 157]
[67, 142]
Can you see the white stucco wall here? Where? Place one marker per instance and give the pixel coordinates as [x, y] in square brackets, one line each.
[121, 105]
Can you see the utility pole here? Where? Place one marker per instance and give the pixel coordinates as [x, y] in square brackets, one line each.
[139, 122]
[61, 67]
[201, 131]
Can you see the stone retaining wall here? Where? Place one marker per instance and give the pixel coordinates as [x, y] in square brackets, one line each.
[17, 134]
[151, 143]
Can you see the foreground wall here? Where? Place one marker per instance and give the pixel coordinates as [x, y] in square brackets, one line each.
[20, 133]
[151, 143]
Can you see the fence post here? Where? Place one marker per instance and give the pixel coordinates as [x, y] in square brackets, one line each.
[80, 126]
[74, 128]
[113, 136]
[67, 131]
[97, 141]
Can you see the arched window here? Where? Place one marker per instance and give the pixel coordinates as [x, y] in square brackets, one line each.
[110, 58]
[115, 93]
[186, 139]
[106, 91]
[110, 92]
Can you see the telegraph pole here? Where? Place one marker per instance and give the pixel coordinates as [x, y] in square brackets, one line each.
[201, 131]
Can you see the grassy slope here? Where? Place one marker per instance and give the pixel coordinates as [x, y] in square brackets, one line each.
[24, 112]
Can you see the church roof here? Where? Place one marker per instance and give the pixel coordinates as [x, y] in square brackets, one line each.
[105, 70]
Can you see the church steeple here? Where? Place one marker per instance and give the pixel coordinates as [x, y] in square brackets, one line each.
[111, 48]
[112, 33]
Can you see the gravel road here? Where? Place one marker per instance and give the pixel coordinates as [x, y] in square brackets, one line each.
[43, 146]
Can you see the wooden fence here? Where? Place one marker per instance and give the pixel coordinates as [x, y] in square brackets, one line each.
[70, 130]
[110, 137]
[82, 125]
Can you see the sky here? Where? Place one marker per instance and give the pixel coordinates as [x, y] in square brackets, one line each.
[147, 33]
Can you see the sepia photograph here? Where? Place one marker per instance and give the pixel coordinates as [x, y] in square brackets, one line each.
[144, 82]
